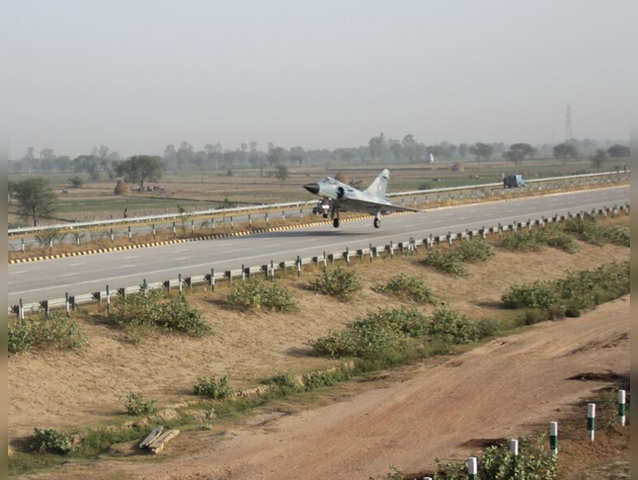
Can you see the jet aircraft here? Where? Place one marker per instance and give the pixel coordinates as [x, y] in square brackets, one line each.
[340, 197]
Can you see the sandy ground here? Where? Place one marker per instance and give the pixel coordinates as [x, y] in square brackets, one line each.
[501, 389]
[73, 389]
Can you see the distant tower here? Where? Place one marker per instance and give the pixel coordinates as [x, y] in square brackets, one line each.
[569, 134]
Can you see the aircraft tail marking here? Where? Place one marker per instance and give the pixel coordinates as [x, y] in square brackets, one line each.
[380, 184]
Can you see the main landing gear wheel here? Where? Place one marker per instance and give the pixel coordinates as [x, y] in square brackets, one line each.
[335, 222]
[377, 223]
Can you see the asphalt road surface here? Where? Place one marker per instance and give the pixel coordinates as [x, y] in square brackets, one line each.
[78, 275]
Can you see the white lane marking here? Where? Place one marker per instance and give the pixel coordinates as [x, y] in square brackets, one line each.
[18, 272]
[77, 263]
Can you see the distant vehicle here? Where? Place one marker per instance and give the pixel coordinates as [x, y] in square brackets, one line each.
[513, 181]
[340, 197]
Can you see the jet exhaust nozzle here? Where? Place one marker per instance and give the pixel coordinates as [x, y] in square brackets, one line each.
[312, 187]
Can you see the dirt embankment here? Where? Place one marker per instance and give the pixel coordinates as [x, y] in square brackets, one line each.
[504, 388]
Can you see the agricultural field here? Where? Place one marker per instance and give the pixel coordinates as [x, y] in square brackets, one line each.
[267, 333]
[202, 190]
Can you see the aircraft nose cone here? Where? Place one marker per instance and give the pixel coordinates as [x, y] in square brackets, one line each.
[312, 187]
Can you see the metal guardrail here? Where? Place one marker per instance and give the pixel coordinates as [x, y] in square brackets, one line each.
[273, 206]
[269, 270]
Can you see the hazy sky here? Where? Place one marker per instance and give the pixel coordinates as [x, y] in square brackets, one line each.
[137, 75]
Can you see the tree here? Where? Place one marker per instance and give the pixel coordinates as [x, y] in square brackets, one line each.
[518, 152]
[565, 150]
[598, 159]
[76, 181]
[141, 168]
[35, 198]
[276, 155]
[482, 151]
[619, 151]
[377, 146]
[281, 172]
[184, 155]
[409, 147]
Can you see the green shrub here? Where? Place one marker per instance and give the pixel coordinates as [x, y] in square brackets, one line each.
[135, 405]
[617, 235]
[314, 380]
[212, 388]
[378, 333]
[589, 230]
[285, 382]
[571, 295]
[522, 240]
[256, 294]
[474, 250]
[448, 262]
[151, 309]
[337, 282]
[534, 315]
[453, 327]
[488, 327]
[404, 286]
[50, 440]
[556, 238]
[532, 463]
[57, 331]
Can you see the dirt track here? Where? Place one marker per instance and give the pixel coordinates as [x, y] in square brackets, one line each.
[503, 388]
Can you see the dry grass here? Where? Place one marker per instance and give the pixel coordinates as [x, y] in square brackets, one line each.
[65, 390]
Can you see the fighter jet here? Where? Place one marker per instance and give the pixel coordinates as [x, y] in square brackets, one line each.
[340, 197]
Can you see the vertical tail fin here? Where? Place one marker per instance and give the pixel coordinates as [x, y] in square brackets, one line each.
[380, 184]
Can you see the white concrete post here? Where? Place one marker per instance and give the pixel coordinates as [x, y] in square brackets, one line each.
[108, 300]
[129, 233]
[472, 467]
[153, 230]
[67, 304]
[22, 244]
[20, 310]
[553, 438]
[212, 279]
[591, 421]
[179, 283]
[622, 407]
[513, 446]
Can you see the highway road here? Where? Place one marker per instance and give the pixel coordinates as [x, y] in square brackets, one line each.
[78, 275]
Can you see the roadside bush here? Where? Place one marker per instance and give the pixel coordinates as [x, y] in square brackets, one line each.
[337, 282]
[488, 327]
[453, 327]
[572, 294]
[50, 440]
[314, 380]
[533, 463]
[256, 294]
[212, 388]
[474, 250]
[285, 382]
[617, 235]
[57, 331]
[522, 240]
[135, 405]
[404, 286]
[589, 230]
[153, 310]
[556, 238]
[378, 333]
[448, 262]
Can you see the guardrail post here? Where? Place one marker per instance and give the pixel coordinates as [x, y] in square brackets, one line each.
[232, 223]
[250, 220]
[122, 293]
[283, 215]
[72, 302]
[272, 269]
[179, 283]
[153, 230]
[324, 260]
[298, 266]
[174, 228]
[108, 300]
[192, 227]
[144, 286]
[44, 304]
[449, 238]
[189, 282]
[591, 421]
[112, 235]
[347, 255]
[211, 280]
[214, 223]
[483, 232]
[622, 407]
[229, 274]
[20, 310]
[129, 233]
[167, 285]
[67, 305]
[391, 247]
[22, 244]
[266, 218]
[370, 252]
[472, 468]
[243, 272]
[500, 229]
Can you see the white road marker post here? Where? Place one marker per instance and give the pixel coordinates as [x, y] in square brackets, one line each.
[472, 468]
[22, 244]
[130, 234]
[180, 284]
[553, 438]
[20, 310]
[513, 446]
[67, 304]
[108, 301]
[591, 421]
[622, 407]
[212, 279]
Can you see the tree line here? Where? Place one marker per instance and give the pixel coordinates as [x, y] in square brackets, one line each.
[103, 163]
